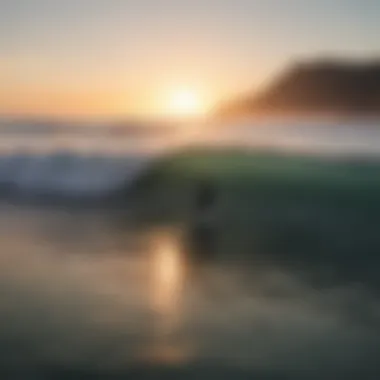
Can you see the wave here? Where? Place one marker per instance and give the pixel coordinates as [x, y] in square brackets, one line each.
[86, 162]
[57, 160]
[67, 175]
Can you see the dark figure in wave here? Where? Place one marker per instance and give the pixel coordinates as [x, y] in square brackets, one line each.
[202, 230]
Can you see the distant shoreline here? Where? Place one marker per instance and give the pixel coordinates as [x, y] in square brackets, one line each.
[332, 89]
[299, 118]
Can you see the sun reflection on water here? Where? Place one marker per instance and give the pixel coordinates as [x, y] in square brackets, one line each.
[167, 295]
[168, 275]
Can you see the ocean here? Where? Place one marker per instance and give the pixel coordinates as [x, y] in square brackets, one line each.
[98, 279]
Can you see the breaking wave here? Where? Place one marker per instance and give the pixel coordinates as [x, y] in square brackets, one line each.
[66, 174]
[86, 161]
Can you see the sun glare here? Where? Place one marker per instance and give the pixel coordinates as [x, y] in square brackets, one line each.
[185, 103]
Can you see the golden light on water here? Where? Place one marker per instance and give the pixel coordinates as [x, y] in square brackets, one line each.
[168, 274]
[167, 286]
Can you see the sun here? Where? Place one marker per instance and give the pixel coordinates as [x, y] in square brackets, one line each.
[185, 102]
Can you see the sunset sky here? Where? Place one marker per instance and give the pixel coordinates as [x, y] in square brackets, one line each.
[125, 57]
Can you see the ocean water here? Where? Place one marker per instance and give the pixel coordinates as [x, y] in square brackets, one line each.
[65, 160]
[88, 292]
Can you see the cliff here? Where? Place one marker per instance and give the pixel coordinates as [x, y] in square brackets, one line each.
[319, 88]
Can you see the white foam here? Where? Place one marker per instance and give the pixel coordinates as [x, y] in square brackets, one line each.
[81, 160]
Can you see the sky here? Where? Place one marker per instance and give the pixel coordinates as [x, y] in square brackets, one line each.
[122, 57]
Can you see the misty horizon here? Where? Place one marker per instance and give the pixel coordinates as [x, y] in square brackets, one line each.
[189, 189]
[138, 59]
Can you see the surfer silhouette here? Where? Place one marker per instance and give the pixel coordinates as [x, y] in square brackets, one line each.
[202, 228]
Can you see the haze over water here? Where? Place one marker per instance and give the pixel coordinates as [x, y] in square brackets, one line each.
[67, 158]
[149, 230]
[84, 293]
